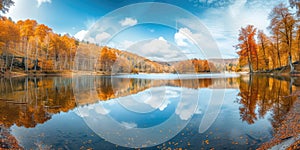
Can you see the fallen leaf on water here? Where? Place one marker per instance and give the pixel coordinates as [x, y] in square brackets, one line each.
[206, 141]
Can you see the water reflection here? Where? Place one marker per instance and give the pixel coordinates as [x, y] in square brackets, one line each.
[260, 94]
[27, 102]
[31, 101]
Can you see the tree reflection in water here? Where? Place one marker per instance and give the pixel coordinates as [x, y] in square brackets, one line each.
[261, 94]
[33, 100]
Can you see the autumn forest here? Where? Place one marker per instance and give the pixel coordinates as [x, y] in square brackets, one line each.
[263, 52]
[29, 47]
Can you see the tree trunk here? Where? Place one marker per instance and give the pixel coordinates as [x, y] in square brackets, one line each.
[291, 64]
[265, 57]
[70, 60]
[36, 55]
[250, 65]
[249, 58]
[290, 42]
[251, 68]
[12, 62]
[278, 52]
[257, 62]
[36, 64]
[26, 57]
[298, 45]
[6, 55]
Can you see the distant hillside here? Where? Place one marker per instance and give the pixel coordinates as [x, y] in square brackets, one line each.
[105, 60]
[225, 61]
[225, 64]
[110, 60]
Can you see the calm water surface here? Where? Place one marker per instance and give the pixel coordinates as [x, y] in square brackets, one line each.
[236, 112]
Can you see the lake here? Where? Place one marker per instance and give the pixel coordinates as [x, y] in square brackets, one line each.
[149, 111]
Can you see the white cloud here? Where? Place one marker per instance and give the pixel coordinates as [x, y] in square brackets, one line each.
[155, 101]
[84, 111]
[158, 48]
[197, 43]
[186, 38]
[102, 37]
[146, 101]
[132, 103]
[181, 38]
[101, 110]
[161, 99]
[128, 22]
[126, 44]
[80, 35]
[40, 2]
[224, 23]
[162, 39]
[199, 110]
[129, 125]
[164, 105]
[185, 109]
[188, 104]
[17, 11]
[158, 101]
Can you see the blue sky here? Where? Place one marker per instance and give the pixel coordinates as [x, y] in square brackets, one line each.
[221, 18]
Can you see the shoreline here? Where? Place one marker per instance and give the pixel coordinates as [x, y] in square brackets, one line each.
[70, 73]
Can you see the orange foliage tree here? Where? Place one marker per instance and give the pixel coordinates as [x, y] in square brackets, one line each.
[35, 45]
[281, 48]
[107, 58]
[263, 43]
[9, 37]
[248, 47]
[283, 22]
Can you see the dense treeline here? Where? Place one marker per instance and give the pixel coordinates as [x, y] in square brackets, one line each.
[28, 45]
[106, 60]
[91, 57]
[263, 53]
[194, 65]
